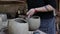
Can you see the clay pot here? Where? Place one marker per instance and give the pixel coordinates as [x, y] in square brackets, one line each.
[37, 32]
[0, 23]
[4, 17]
[34, 22]
[18, 26]
[3, 21]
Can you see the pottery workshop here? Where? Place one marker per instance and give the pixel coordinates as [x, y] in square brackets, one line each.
[29, 17]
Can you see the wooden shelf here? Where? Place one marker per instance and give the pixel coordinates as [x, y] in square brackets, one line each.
[12, 2]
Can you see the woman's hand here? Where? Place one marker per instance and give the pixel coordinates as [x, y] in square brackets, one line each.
[30, 12]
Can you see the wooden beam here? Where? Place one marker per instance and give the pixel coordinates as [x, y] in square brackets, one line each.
[12, 2]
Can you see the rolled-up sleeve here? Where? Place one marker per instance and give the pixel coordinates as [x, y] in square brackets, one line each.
[52, 3]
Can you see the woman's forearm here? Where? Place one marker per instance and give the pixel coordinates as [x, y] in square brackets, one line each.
[45, 8]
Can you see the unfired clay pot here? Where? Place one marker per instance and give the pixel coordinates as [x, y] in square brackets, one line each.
[0, 23]
[18, 26]
[3, 21]
[34, 22]
[4, 17]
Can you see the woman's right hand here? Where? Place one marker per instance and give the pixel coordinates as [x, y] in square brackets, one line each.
[30, 12]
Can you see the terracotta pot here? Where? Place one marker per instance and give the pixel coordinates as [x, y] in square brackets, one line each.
[18, 26]
[34, 22]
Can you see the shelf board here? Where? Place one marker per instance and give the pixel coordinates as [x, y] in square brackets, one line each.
[12, 2]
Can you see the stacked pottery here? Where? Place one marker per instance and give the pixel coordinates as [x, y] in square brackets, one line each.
[3, 20]
[34, 22]
[1, 23]
[4, 17]
[18, 26]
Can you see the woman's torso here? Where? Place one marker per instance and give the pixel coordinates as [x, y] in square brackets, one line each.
[40, 3]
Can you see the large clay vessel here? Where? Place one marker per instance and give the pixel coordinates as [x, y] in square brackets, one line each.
[34, 22]
[18, 26]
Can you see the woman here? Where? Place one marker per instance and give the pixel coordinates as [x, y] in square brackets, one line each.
[45, 9]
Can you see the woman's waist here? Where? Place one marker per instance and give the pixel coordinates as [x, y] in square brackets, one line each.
[44, 14]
